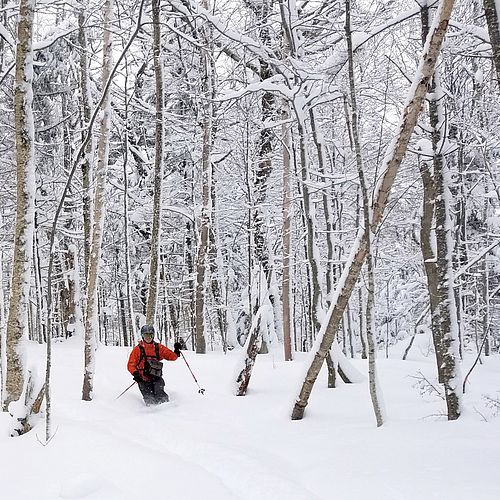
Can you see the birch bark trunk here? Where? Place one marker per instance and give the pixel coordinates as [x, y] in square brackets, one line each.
[445, 315]
[206, 185]
[91, 313]
[158, 169]
[439, 266]
[88, 154]
[25, 209]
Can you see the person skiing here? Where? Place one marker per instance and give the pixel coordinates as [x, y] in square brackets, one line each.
[145, 366]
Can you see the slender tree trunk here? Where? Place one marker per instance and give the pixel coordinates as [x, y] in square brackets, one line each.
[215, 265]
[443, 308]
[318, 141]
[287, 342]
[315, 289]
[251, 350]
[311, 250]
[445, 314]
[427, 247]
[395, 154]
[207, 91]
[362, 337]
[288, 46]
[129, 336]
[375, 392]
[486, 308]
[88, 154]
[158, 170]
[206, 185]
[259, 215]
[25, 209]
[427, 236]
[77, 293]
[40, 303]
[91, 315]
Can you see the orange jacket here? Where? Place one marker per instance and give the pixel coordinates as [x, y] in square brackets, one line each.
[133, 360]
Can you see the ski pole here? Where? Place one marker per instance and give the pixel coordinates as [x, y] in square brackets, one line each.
[134, 382]
[201, 391]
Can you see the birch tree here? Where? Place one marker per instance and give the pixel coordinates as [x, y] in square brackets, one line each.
[158, 167]
[88, 155]
[437, 262]
[204, 220]
[91, 313]
[23, 247]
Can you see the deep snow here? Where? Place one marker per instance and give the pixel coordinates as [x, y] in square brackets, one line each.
[219, 446]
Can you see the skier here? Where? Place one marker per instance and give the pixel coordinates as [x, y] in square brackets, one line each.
[145, 366]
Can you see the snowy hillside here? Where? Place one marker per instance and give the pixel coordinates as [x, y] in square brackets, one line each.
[221, 447]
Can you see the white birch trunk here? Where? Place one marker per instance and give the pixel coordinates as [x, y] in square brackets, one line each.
[25, 210]
[88, 155]
[91, 315]
[154, 263]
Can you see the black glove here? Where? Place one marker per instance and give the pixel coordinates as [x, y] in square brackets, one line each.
[137, 377]
[177, 349]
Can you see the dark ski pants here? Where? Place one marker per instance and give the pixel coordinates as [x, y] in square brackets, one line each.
[153, 392]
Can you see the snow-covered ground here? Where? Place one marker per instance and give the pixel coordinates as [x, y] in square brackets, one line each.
[221, 447]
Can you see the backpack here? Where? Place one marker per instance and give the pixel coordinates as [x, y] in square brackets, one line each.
[152, 366]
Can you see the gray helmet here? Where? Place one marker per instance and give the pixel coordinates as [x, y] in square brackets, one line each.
[147, 329]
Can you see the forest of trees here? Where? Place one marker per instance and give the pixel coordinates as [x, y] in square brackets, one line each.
[244, 174]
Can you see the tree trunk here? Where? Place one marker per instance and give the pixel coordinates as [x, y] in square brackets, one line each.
[207, 110]
[158, 169]
[395, 154]
[442, 298]
[88, 154]
[287, 342]
[91, 315]
[362, 337]
[217, 287]
[375, 392]
[427, 236]
[251, 350]
[259, 215]
[445, 314]
[25, 209]
[311, 250]
[327, 203]
[129, 330]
